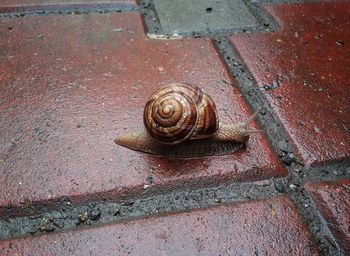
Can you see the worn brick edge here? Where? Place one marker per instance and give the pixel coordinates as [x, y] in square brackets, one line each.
[138, 192]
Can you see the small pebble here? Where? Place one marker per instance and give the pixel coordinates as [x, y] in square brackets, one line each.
[95, 214]
[58, 223]
[82, 216]
[292, 186]
[279, 186]
[149, 179]
[116, 212]
[217, 200]
[48, 228]
[288, 159]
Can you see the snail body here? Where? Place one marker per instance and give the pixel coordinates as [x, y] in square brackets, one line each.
[181, 121]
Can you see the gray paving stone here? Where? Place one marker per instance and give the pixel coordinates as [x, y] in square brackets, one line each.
[202, 16]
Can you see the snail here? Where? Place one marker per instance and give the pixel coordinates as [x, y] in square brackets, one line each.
[181, 121]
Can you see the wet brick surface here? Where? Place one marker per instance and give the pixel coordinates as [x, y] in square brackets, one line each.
[268, 227]
[9, 6]
[303, 69]
[70, 84]
[333, 201]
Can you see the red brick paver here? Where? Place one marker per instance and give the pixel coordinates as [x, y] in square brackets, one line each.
[9, 6]
[268, 227]
[70, 84]
[333, 201]
[308, 61]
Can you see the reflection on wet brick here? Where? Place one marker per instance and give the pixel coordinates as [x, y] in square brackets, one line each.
[70, 84]
[270, 227]
[333, 201]
[303, 69]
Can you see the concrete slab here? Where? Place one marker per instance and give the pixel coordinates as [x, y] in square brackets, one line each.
[199, 16]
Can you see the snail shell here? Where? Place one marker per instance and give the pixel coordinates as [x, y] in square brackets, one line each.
[181, 121]
[177, 112]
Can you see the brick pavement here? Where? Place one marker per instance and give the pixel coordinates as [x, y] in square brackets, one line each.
[69, 84]
[333, 201]
[266, 227]
[310, 98]
[82, 88]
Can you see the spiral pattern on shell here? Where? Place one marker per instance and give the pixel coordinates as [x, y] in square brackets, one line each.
[178, 112]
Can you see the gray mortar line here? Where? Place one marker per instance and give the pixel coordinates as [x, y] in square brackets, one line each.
[71, 216]
[276, 134]
[73, 10]
[328, 172]
[34, 209]
[268, 119]
[326, 243]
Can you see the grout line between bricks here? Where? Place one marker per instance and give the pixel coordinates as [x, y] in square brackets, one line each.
[325, 241]
[71, 216]
[69, 10]
[268, 119]
[279, 142]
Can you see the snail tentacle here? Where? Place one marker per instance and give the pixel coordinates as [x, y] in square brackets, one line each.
[237, 132]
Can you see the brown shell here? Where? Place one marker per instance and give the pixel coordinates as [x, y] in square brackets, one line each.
[178, 112]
